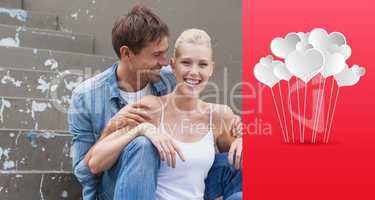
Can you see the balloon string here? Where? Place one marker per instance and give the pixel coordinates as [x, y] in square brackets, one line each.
[282, 107]
[319, 110]
[304, 114]
[299, 113]
[290, 111]
[278, 115]
[316, 110]
[333, 113]
[329, 110]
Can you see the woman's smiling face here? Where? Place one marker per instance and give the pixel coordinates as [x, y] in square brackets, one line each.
[193, 67]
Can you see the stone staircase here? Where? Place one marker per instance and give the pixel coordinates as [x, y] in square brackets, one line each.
[40, 65]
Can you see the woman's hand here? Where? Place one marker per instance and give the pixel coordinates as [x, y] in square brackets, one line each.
[236, 148]
[165, 145]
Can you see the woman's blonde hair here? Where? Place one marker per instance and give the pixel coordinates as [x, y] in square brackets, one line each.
[192, 36]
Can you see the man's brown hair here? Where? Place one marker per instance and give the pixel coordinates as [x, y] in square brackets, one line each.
[137, 29]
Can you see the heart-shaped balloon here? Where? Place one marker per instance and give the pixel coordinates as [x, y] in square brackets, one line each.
[333, 64]
[304, 37]
[321, 40]
[360, 71]
[303, 46]
[305, 64]
[281, 47]
[280, 71]
[266, 60]
[264, 74]
[344, 50]
[348, 77]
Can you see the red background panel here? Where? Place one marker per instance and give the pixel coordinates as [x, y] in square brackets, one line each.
[343, 169]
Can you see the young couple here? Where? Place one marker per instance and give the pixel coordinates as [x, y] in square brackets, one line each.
[140, 131]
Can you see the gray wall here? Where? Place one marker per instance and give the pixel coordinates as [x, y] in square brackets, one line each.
[222, 19]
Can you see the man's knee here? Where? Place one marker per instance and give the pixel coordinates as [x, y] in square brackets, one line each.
[235, 196]
[142, 142]
[141, 146]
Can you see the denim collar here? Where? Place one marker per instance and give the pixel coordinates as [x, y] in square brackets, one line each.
[158, 88]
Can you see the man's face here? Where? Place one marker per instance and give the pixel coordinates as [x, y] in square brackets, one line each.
[151, 59]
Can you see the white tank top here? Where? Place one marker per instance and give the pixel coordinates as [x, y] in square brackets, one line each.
[186, 181]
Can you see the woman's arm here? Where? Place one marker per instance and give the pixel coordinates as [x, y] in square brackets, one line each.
[106, 152]
[119, 132]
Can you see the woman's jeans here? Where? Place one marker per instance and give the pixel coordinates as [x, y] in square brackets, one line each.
[134, 176]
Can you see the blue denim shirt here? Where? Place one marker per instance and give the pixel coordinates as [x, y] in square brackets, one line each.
[93, 104]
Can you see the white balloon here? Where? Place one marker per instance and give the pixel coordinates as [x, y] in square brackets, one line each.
[323, 41]
[280, 71]
[349, 77]
[281, 47]
[266, 60]
[264, 74]
[303, 46]
[344, 50]
[360, 71]
[303, 36]
[333, 64]
[305, 64]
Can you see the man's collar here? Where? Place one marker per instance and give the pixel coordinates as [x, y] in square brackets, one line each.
[158, 87]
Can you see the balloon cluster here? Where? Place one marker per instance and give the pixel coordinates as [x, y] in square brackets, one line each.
[307, 56]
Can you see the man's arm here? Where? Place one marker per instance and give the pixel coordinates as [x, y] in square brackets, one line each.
[80, 126]
[230, 135]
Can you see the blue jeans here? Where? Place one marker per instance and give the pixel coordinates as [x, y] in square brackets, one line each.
[134, 176]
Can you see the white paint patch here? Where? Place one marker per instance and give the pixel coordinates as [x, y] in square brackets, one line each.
[8, 79]
[19, 14]
[9, 42]
[4, 104]
[37, 107]
[19, 176]
[64, 194]
[43, 85]
[51, 63]
[8, 164]
[53, 88]
[12, 42]
[73, 84]
[74, 15]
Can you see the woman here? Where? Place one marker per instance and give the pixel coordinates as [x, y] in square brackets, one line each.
[183, 128]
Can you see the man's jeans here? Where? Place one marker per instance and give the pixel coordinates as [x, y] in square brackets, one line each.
[134, 176]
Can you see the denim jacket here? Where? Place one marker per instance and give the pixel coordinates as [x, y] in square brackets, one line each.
[93, 103]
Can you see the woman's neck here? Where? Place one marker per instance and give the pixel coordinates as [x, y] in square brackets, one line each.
[184, 103]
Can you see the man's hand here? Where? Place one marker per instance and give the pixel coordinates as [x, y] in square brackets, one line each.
[236, 128]
[130, 116]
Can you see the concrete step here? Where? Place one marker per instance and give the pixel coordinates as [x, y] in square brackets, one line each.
[45, 39]
[35, 186]
[32, 114]
[32, 19]
[39, 84]
[11, 3]
[35, 150]
[44, 60]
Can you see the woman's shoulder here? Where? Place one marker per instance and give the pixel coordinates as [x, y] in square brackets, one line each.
[222, 117]
[221, 111]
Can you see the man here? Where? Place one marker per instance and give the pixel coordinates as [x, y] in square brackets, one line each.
[140, 40]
